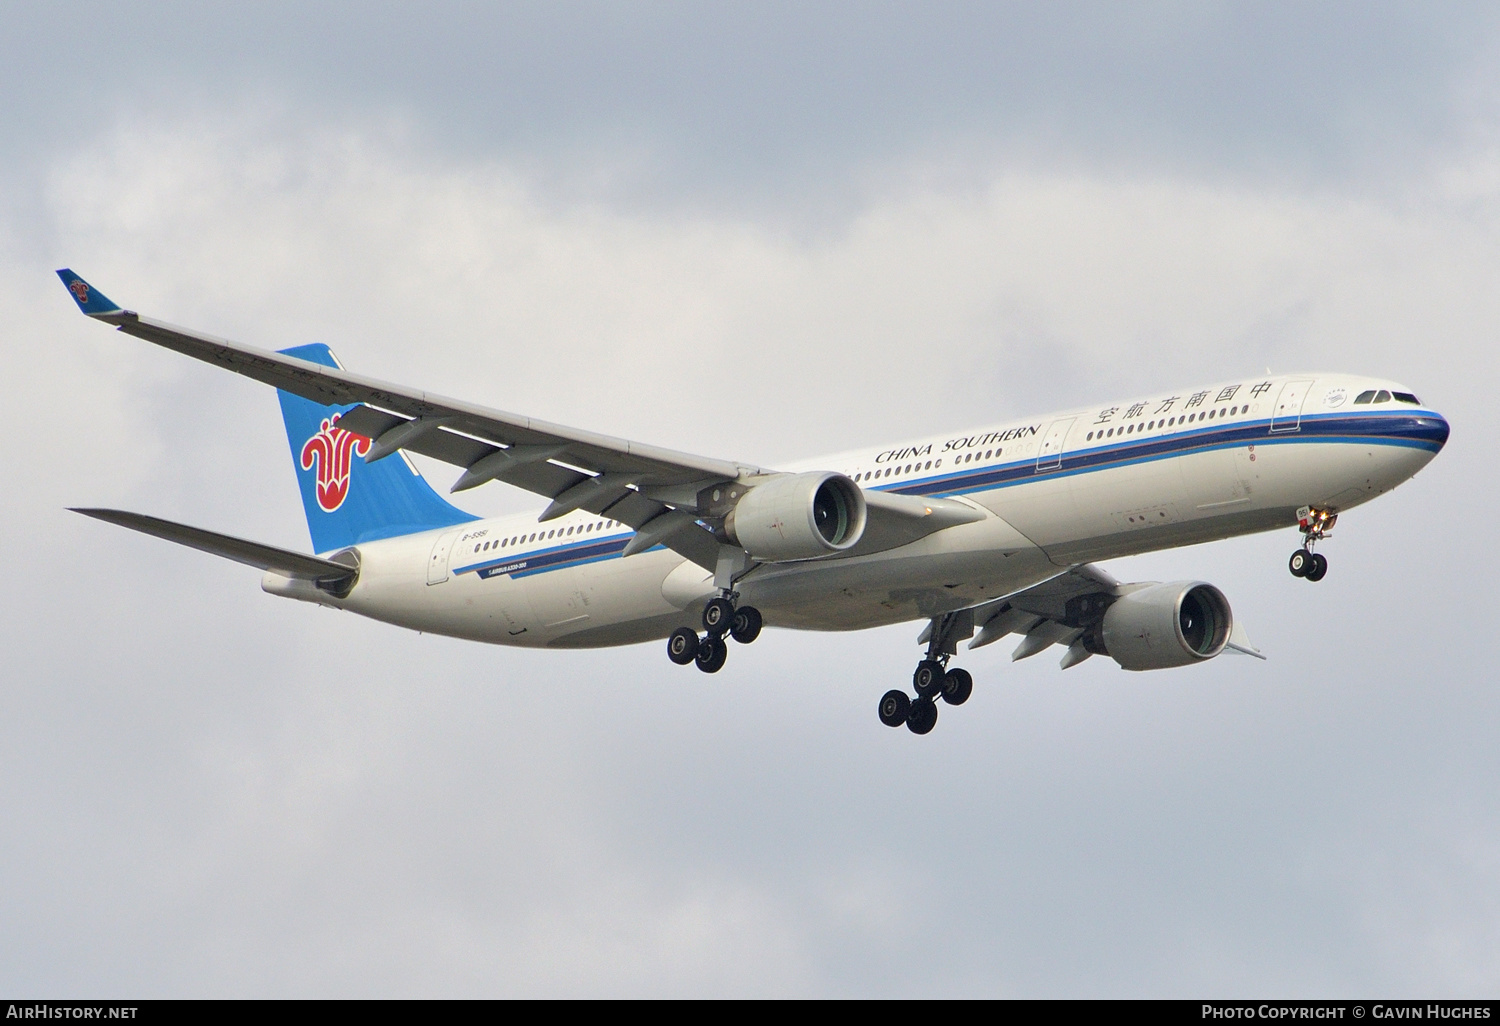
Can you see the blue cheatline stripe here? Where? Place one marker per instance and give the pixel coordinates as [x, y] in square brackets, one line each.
[1417, 430]
[554, 557]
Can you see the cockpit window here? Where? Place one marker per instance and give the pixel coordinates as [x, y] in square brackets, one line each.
[1382, 396]
[1406, 397]
[1364, 398]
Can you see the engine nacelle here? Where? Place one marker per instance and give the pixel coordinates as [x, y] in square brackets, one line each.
[1165, 625]
[798, 516]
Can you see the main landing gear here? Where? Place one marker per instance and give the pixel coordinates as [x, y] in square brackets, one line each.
[932, 679]
[1315, 525]
[720, 617]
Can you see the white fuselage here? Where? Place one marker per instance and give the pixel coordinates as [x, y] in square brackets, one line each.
[1057, 490]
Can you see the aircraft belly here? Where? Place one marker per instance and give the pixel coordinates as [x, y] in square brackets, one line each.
[948, 570]
[616, 598]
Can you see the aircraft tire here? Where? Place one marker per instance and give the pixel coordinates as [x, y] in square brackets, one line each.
[1319, 567]
[711, 654]
[894, 708]
[745, 627]
[746, 624]
[1300, 563]
[682, 645]
[922, 717]
[928, 678]
[957, 686]
[718, 615]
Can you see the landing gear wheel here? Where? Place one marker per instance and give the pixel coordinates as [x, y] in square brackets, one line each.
[1318, 569]
[894, 708]
[957, 686]
[711, 654]
[717, 616]
[682, 645]
[1300, 563]
[745, 626]
[928, 679]
[922, 717]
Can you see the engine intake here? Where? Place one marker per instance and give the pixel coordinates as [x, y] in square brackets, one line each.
[1165, 625]
[798, 516]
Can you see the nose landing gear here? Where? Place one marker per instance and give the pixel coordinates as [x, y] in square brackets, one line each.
[720, 617]
[1315, 525]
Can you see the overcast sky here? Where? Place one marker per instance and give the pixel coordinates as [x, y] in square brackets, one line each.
[762, 236]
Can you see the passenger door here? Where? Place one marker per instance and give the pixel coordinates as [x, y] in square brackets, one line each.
[437, 562]
[1049, 456]
[1287, 415]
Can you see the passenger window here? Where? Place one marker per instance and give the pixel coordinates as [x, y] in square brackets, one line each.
[1090, 437]
[929, 465]
[1382, 396]
[1364, 398]
[1406, 397]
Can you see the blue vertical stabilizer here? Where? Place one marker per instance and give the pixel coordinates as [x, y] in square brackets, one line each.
[346, 499]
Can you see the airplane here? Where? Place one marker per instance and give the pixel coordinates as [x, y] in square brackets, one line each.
[982, 533]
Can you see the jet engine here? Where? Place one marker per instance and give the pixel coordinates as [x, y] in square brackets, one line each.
[798, 516]
[1164, 625]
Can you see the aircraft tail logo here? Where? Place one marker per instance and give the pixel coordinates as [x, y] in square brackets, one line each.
[80, 288]
[346, 500]
[330, 453]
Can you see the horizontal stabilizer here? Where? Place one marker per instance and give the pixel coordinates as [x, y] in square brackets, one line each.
[263, 557]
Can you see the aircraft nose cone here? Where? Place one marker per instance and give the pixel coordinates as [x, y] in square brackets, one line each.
[1435, 429]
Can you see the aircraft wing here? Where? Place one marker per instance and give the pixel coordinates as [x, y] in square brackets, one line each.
[577, 469]
[263, 557]
[1057, 612]
[649, 488]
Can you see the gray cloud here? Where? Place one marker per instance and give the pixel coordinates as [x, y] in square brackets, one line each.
[776, 106]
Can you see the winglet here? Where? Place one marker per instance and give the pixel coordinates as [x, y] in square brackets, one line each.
[89, 299]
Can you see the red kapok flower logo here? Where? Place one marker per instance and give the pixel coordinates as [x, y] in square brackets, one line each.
[330, 452]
